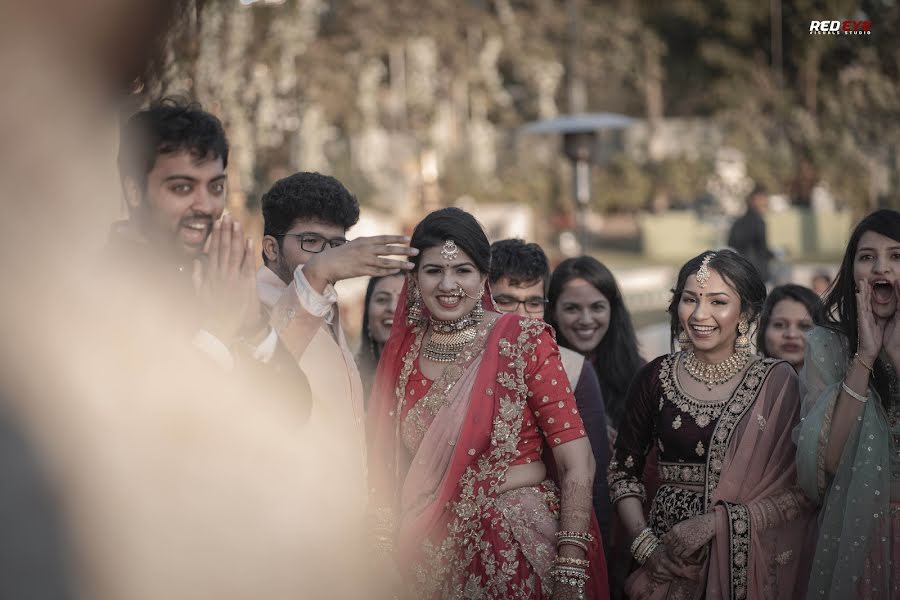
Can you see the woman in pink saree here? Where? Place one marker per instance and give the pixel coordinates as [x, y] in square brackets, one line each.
[728, 519]
[468, 408]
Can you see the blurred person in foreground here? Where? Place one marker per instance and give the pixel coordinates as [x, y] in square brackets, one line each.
[519, 277]
[172, 160]
[466, 403]
[379, 307]
[786, 319]
[748, 233]
[305, 252]
[848, 444]
[170, 482]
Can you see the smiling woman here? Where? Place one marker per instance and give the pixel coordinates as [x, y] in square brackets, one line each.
[382, 295]
[468, 406]
[589, 314]
[727, 507]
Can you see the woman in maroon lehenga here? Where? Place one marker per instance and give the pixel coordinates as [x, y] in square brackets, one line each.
[465, 407]
[728, 519]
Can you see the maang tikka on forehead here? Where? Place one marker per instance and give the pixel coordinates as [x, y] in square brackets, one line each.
[450, 250]
[703, 271]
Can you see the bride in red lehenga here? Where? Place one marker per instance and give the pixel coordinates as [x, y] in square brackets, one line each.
[465, 404]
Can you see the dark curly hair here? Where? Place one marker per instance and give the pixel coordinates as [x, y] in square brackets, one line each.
[617, 357]
[457, 225]
[790, 291]
[838, 309]
[167, 126]
[308, 196]
[520, 262]
[737, 271]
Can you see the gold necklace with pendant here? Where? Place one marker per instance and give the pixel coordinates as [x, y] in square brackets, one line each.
[714, 374]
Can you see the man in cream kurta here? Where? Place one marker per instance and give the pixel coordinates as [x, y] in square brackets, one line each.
[305, 251]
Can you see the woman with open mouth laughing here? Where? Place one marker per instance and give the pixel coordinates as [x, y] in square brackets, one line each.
[468, 408]
[727, 509]
[849, 443]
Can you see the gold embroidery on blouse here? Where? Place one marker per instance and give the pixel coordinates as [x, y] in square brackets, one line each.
[676, 423]
[420, 416]
[444, 567]
[691, 473]
[702, 412]
[700, 449]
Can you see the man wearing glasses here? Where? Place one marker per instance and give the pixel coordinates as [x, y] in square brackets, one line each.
[519, 278]
[305, 252]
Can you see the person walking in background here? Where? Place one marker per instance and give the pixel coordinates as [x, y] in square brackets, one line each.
[787, 317]
[379, 306]
[748, 233]
[520, 274]
[821, 281]
[728, 520]
[848, 445]
[466, 403]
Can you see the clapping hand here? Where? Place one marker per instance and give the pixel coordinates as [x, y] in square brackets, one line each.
[225, 282]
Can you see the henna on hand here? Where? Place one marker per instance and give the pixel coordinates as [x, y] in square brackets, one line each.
[689, 536]
[576, 498]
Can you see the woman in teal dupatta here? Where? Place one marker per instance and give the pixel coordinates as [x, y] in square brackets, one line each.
[848, 455]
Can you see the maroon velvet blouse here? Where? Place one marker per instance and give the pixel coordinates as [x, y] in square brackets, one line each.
[660, 413]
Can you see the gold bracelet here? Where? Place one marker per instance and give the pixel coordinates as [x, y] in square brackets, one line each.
[572, 542]
[859, 359]
[859, 397]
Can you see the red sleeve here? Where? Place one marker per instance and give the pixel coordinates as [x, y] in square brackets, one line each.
[550, 394]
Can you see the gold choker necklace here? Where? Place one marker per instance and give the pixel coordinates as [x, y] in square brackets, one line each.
[449, 338]
[717, 374]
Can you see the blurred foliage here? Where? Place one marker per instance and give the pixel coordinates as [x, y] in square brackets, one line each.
[363, 88]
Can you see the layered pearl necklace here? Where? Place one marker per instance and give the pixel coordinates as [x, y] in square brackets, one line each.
[714, 374]
[449, 338]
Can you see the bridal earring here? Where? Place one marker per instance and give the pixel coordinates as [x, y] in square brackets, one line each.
[413, 304]
[684, 342]
[742, 343]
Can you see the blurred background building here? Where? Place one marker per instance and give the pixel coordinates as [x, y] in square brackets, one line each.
[416, 105]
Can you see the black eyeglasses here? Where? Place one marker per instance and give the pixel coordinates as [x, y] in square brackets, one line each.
[533, 305]
[313, 242]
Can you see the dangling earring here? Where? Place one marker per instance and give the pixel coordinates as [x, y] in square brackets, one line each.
[478, 312]
[684, 342]
[413, 304]
[742, 343]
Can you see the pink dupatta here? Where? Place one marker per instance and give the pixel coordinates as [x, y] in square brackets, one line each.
[764, 525]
